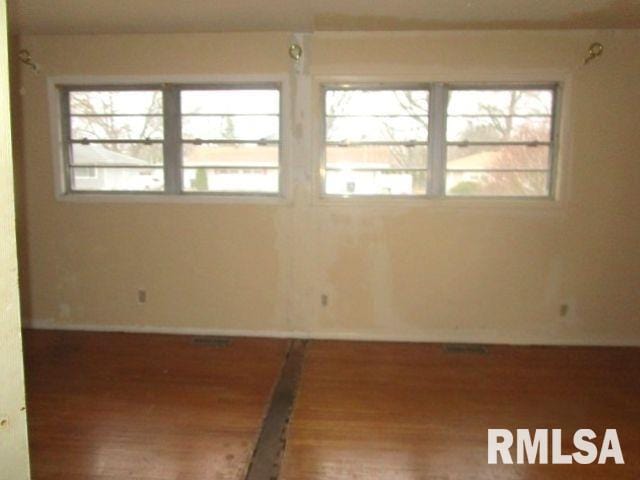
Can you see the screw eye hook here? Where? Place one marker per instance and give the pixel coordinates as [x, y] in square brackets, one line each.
[595, 50]
[25, 57]
[295, 51]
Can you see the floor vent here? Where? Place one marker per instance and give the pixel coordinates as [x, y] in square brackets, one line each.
[466, 348]
[214, 342]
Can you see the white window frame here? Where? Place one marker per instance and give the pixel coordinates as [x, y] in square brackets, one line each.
[437, 141]
[58, 85]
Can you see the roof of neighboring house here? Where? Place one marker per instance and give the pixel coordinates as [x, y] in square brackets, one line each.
[475, 161]
[227, 155]
[95, 154]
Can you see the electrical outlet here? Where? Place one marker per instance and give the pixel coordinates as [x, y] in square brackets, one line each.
[567, 310]
[142, 296]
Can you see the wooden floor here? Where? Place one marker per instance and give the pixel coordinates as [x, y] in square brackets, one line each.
[122, 406]
[415, 412]
[155, 407]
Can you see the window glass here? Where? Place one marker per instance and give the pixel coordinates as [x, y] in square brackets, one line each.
[230, 140]
[499, 143]
[113, 134]
[376, 141]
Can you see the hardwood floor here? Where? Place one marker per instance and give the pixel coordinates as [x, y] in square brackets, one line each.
[158, 407]
[414, 412]
[123, 406]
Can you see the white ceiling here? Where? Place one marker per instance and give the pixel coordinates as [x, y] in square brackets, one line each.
[144, 16]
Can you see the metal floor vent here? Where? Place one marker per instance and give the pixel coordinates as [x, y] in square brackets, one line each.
[465, 348]
[214, 342]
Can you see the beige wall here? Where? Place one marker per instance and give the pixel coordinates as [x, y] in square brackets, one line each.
[418, 270]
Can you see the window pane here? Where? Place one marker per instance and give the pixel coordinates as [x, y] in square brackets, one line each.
[498, 129]
[476, 157]
[500, 102]
[227, 127]
[117, 128]
[376, 157]
[230, 180]
[242, 155]
[85, 172]
[395, 119]
[142, 102]
[354, 182]
[496, 184]
[249, 115]
[377, 102]
[118, 179]
[501, 116]
[230, 101]
[362, 129]
[122, 154]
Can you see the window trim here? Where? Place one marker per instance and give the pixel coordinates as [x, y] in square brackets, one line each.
[60, 133]
[437, 141]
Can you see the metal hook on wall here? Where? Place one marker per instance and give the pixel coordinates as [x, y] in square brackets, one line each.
[595, 50]
[295, 51]
[25, 57]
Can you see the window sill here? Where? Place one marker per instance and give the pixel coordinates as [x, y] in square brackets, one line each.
[538, 204]
[213, 198]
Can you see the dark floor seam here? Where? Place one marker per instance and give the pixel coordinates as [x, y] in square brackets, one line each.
[269, 449]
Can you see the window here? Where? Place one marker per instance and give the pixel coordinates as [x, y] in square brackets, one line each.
[499, 142]
[115, 140]
[440, 141]
[172, 139]
[230, 140]
[376, 141]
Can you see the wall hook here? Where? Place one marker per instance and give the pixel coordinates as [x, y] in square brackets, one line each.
[295, 51]
[595, 50]
[25, 57]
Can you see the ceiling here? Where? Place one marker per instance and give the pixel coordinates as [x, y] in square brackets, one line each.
[147, 16]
